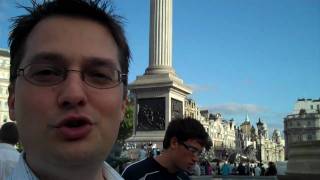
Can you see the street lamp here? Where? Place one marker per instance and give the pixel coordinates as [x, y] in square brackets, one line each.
[260, 142]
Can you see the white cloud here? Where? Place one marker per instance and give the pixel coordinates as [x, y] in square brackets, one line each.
[236, 109]
[201, 88]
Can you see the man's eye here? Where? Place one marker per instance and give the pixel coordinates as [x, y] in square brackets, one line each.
[193, 150]
[46, 72]
[98, 75]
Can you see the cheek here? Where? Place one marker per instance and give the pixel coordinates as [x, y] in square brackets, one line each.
[32, 108]
[111, 113]
[110, 105]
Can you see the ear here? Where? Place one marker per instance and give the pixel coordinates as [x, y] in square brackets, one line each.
[11, 102]
[174, 143]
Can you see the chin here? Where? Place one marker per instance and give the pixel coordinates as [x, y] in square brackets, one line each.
[77, 154]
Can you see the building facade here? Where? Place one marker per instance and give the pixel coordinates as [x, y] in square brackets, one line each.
[255, 144]
[303, 125]
[308, 105]
[223, 136]
[302, 137]
[4, 82]
[227, 138]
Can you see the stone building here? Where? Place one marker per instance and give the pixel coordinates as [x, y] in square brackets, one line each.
[308, 105]
[191, 109]
[303, 125]
[302, 137]
[222, 133]
[4, 82]
[245, 139]
[244, 135]
[255, 144]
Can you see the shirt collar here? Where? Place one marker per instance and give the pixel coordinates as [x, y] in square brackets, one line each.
[22, 171]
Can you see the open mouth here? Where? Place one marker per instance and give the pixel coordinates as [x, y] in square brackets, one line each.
[74, 128]
[75, 123]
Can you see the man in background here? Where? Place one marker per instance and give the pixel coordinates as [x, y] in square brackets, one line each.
[9, 156]
[184, 141]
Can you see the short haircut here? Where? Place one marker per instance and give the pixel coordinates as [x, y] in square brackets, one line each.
[184, 129]
[9, 133]
[99, 11]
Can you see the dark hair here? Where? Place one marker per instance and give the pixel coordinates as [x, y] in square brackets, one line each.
[9, 133]
[184, 129]
[96, 10]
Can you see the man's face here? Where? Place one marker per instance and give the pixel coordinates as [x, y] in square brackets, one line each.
[187, 154]
[70, 121]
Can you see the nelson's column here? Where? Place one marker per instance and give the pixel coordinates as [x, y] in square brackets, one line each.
[159, 94]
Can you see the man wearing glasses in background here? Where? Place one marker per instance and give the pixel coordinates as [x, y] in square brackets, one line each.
[68, 89]
[184, 141]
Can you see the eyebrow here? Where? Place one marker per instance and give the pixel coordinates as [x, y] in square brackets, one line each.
[98, 61]
[56, 58]
[47, 57]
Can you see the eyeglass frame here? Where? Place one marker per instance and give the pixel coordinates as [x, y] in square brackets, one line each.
[121, 76]
[195, 151]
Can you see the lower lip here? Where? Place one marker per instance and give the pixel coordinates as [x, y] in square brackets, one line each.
[75, 133]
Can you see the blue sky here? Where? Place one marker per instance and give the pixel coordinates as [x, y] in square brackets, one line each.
[249, 56]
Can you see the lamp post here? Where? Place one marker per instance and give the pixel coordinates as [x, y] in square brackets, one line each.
[260, 146]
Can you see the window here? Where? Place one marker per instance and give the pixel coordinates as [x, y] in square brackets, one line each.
[309, 137]
[311, 106]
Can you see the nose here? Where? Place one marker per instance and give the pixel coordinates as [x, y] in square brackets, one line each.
[71, 91]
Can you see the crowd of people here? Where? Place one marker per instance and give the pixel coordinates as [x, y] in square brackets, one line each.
[225, 168]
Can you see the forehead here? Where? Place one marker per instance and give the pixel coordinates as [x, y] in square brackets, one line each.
[195, 142]
[73, 38]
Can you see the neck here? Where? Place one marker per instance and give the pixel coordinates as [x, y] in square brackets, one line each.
[65, 171]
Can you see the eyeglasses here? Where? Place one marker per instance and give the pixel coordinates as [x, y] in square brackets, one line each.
[195, 151]
[100, 77]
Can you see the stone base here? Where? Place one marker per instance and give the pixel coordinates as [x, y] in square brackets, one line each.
[304, 159]
[147, 137]
[299, 177]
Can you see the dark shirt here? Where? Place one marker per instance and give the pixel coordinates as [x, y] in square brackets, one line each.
[150, 169]
[242, 170]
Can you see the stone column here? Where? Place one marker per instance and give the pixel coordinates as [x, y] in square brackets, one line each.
[159, 93]
[160, 37]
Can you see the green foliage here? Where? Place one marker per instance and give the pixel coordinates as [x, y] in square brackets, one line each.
[19, 147]
[126, 127]
[115, 159]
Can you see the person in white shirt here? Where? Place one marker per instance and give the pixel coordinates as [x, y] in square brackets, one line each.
[257, 171]
[196, 169]
[142, 152]
[9, 156]
[68, 88]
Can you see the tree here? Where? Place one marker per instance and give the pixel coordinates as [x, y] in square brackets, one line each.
[126, 127]
[125, 131]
